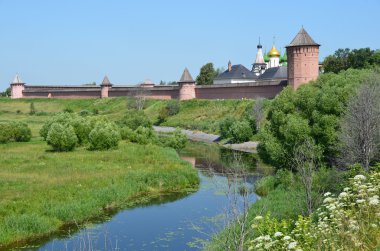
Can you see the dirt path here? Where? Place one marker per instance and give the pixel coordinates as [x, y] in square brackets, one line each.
[249, 146]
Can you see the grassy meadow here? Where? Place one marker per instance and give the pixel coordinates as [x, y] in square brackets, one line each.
[42, 191]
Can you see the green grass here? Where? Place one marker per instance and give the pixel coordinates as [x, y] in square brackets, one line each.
[202, 115]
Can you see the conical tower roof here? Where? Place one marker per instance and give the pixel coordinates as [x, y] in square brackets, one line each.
[106, 81]
[302, 38]
[186, 77]
[17, 80]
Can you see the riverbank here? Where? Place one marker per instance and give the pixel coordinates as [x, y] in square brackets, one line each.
[249, 146]
[43, 191]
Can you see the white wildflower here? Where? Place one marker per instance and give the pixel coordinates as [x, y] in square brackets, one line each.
[328, 200]
[360, 177]
[374, 200]
[277, 234]
[286, 238]
[360, 201]
[292, 245]
[258, 217]
[327, 194]
[343, 195]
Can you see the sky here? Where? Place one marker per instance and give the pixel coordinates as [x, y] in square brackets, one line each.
[80, 41]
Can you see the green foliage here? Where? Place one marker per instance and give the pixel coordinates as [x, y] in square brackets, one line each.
[349, 221]
[241, 131]
[32, 109]
[313, 111]
[206, 75]
[21, 132]
[6, 132]
[176, 140]
[14, 131]
[61, 137]
[6, 93]
[343, 59]
[60, 118]
[143, 136]
[172, 108]
[104, 136]
[134, 119]
[264, 185]
[225, 127]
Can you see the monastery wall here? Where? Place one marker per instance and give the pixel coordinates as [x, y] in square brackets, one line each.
[265, 89]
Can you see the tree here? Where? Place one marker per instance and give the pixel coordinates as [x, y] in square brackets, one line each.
[258, 112]
[62, 137]
[337, 62]
[6, 93]
[360, 133]
[206, 75]
[305, 161]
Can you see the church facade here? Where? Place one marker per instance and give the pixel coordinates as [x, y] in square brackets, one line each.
[270, 73]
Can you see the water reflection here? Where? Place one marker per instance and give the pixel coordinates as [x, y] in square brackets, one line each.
[175, 221]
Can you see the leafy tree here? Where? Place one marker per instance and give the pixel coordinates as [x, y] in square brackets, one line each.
[206, 75]
[176, 140]
[241, 131]
[313, 111]
[134, 119]
[343, 59]
[6, 93]
[21, 132]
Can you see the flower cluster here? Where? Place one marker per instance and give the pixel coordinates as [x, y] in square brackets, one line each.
[349, 221]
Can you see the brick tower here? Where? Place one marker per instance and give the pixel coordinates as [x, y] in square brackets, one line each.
[17, 87]
[303, 55]
[186, 86]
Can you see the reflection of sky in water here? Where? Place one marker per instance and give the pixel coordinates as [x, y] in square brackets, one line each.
[176, 225]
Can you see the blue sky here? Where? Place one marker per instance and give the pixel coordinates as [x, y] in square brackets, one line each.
[79, 41]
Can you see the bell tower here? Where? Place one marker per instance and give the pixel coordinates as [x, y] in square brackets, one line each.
[303, 54]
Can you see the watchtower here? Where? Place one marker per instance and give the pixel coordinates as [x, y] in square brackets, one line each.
[303, 54]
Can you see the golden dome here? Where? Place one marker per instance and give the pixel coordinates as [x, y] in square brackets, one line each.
[274, 52]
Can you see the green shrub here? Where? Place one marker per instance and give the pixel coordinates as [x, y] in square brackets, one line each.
[32, 109]
[5, 132]
[127, 133]
[176, 140]
[84, 113]
[61, 118]
[82, 128]
[61, 137]
[162, 115]
[21, 132]
[143, 136]
[41, 113]
[134, 119]
[14, 131]
[173, 107]
[104, 136]
[241, 131]
[68, 110]
[264, 185]
[225, 127]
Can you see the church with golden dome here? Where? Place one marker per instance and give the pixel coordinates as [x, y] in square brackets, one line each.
[267, 66]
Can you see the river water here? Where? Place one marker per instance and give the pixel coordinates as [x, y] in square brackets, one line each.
[174, 221]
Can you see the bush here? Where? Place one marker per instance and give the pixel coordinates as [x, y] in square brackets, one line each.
[5, 132]
[143, 136]
[225, 126]
[177, 140]
[84, 113]
[241, 131]
[61, 137]
[173, 107]
[14, 131]
[60, 118]
[264, 185]
[21, 132]
[135, 119]
[127, 133]
[104, 136]
[32, 109]
[82, 128]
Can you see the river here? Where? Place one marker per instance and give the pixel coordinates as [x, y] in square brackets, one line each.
[173, 221]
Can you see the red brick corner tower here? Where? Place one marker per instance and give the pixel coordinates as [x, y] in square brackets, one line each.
[105, 87]
[186, 86]
[302, 55]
